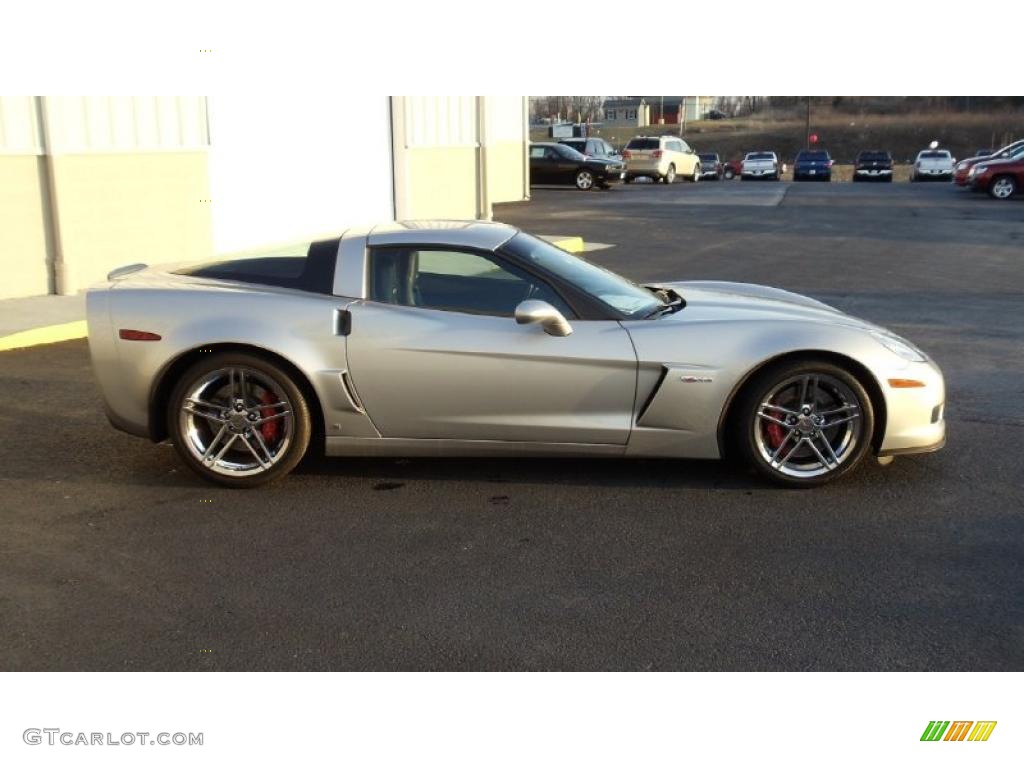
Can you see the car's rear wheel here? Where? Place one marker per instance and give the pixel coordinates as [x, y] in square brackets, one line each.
[696, 173]
[584, 179]
[627, 180]
[239, 420]
[803, 423]
[670, 175]
[1003, 187]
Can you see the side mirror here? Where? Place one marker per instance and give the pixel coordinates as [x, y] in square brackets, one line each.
[551, 320]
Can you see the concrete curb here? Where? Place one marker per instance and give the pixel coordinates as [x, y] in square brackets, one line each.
[48, 334]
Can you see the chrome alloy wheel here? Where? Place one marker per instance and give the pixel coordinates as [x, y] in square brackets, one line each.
[808, 425]
[670, 174]
[1002, 188]
[236, 421]
[584, 180]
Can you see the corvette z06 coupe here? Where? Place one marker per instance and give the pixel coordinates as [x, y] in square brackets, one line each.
[477, 339]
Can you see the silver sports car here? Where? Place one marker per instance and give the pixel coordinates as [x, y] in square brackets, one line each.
[474, 338]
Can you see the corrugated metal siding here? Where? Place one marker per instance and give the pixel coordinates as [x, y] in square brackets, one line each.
[126, 123]
[440, 121]
[19, 129]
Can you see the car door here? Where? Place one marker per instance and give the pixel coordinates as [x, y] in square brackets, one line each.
[565, 163]
[540, 165]
[435, 352]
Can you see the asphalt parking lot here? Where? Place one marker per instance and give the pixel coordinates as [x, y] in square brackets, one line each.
[114, 557]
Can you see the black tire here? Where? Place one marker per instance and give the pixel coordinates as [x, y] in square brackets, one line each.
[749, 432]
[627, 180]
[296, 423]
[729, 174]
[670, 174]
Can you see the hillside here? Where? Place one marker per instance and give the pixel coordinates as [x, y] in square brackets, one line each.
[843, 134]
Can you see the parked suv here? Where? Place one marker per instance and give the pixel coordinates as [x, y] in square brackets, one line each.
[593, 147]
[812, 164]
[660, 158]
[873, 164]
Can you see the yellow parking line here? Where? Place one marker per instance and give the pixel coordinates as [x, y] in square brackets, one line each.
[49, 334]
[570, 244]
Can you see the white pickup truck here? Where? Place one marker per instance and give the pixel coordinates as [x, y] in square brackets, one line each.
[761, 165]
[933, 164]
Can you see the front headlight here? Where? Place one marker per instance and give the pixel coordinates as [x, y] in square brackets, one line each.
[961, 165]
[978, 169]
[900, 347]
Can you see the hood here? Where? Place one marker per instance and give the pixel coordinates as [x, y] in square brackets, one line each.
[712, 300]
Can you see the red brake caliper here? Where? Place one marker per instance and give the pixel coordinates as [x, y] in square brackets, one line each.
[269, 429]
[775, 433]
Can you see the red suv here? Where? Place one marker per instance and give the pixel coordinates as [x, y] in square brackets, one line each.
[1000, 178]
[963, 168]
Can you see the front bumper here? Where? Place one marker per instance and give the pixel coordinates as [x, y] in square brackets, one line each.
[915, 417]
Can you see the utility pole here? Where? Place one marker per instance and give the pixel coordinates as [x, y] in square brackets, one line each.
[807, 132]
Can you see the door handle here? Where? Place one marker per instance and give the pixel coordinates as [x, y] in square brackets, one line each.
[342, 322]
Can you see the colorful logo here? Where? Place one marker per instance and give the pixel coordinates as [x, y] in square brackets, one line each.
[958, 730]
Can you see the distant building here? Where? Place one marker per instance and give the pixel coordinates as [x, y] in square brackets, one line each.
[641, 111]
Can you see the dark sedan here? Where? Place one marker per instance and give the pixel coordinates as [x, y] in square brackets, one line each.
[873, 165]
[559, 164]
[812, 164]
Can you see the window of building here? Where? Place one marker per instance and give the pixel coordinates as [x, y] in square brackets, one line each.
[631, 114]
[611, 114]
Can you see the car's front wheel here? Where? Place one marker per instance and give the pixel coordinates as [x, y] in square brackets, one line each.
[729, 174]
[1003, 188]
[803, 423]
[584, 179]
[239, 420]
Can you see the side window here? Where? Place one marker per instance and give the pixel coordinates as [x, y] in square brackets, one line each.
[537, 152]
[552, 154]
[454, 281]
[683, 146]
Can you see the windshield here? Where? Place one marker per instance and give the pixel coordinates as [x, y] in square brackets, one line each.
[760, 156]
[812, 156]
[706, 158]
[935, 154]
[617, 292]
[872, 156]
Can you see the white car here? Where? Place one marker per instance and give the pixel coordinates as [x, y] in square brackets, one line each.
[660, 158]
[761, 165]
[933, 164]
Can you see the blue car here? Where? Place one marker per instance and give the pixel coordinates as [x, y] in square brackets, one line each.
[812, 165]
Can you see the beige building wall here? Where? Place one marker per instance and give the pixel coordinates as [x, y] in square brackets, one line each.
[455, 156]
[25, 249]
[89, 183]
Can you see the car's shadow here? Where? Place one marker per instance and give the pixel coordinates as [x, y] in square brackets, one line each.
[591, 472]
